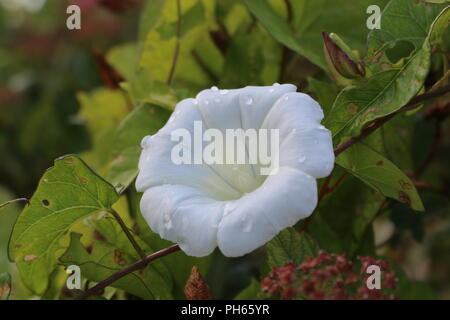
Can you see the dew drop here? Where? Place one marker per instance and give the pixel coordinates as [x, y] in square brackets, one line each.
[214, 88]
[224, 91]
[195, 101]
[271, 90]
[246, 224]
[206, 102]
[227, 209]
[276, 84]
[247, 100]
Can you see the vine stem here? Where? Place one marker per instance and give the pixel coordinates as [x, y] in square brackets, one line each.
[131, 268]
[127, 232]
[177, 45]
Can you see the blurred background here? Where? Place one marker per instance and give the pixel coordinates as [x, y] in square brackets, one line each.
[44, 66]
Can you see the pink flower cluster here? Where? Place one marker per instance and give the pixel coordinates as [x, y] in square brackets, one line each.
[331, 277]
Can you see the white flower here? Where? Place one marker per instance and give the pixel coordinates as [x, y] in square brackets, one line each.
[234, 207]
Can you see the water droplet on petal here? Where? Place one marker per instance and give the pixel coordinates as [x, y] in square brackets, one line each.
[246, 224]
[224, 91]
[247, 100]
[302, 159]
[286, 98]
[206, 102]
[195, 101]
[271, 90]
[227, 209]
[276, 84]
[214, 88]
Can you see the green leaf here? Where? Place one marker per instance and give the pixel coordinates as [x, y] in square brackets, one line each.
[342, 219]
[252, 292]
[309, 19]
[66, 193]
[105, 259]
[146, 119]
[281, 30]
[123, 58]
[290, 245]
[143, 89]
[158, 276]
[102, 109]
[380, 174]
[324, 92]
[403, 22]
[252, 57]
[398, 138]
[383, 93]
[168, 40]
[5, 286]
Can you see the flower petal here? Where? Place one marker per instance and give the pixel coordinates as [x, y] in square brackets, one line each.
[304, 143]
[243, 108]
[183, 215]
[157, 168]
[257, 217]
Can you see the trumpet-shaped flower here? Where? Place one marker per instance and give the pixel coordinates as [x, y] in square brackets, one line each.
[201, 205]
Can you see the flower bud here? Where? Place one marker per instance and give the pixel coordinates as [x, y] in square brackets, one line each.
[340, 58]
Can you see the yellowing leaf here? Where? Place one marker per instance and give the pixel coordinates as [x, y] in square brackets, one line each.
[66, 193]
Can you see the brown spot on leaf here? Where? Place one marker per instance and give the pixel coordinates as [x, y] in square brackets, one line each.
[403, 197]
[118, 160]
[98, 236]
[352, 108]
[83, 180]
[196, 288]
[69, 161]
[152, 110]
[5, 289]
[380, 163]
[119, 258]
[30, 257]
[385, 66]
[45, 202]
[405, 185]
